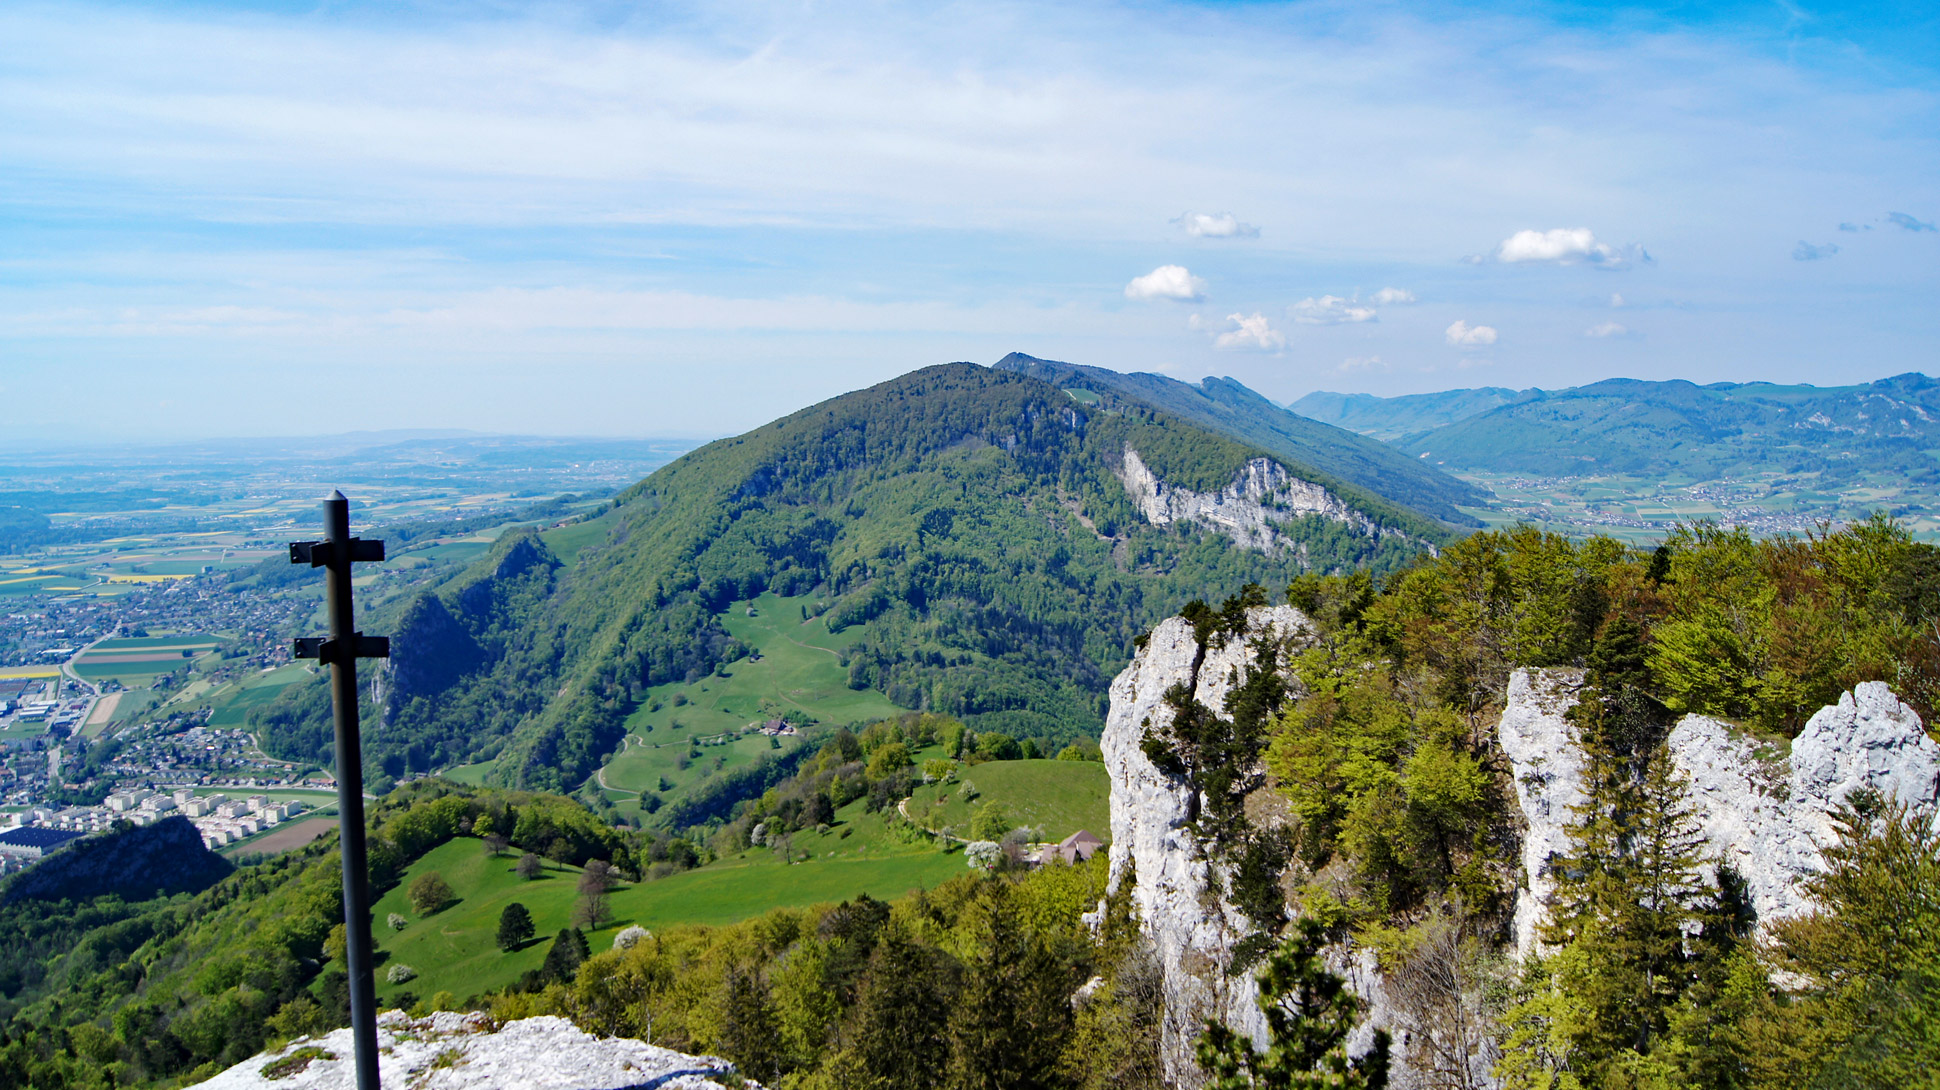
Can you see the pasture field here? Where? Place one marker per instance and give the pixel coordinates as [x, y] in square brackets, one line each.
[233, 702]
[1062, 797]
[455, 949]
[642, 766]
[797, 668]
[566, 541]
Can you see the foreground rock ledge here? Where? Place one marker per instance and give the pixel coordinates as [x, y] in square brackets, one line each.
[449, 1051]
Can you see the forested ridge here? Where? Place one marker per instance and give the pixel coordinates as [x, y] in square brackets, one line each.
[965, 523]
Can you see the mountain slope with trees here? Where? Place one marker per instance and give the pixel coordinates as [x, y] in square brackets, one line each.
[966, 524]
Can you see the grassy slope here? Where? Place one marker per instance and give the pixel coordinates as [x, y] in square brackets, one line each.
[1060, 796]
[799, 670]
[456, 949]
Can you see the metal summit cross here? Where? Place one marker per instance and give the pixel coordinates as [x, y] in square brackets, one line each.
[335, 554]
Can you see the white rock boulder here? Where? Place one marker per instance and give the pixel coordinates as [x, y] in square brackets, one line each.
[448, 1051]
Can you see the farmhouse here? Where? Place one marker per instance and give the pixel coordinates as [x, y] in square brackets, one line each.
[1076, 848]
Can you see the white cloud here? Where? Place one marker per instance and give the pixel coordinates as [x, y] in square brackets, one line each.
[1616, 298]
[1353, 364]
[1393, 297]
[1464, 334]
[1565, 246]
[1253, 333]
[1330, 310]
[1167, 282]
[1222, 225]
[1606, 329]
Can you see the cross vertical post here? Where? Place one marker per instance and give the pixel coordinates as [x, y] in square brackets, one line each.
[345, 645]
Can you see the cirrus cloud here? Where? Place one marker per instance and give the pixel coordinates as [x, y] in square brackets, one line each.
[1167, 282]
[1216, 225]
[1464, 335]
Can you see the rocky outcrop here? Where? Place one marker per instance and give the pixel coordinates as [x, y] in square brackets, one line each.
[1153, 848]
[448, 1051]
[1250, 510]
[1548, 762]
[1764, 813]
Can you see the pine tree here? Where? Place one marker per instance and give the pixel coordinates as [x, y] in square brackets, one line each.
[562, 960]
[514, 927]
[1309, 1013]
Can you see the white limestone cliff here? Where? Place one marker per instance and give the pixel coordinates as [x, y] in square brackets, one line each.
[1153, 846]
[1766, 814]
[448, 1051]
[1262, 496]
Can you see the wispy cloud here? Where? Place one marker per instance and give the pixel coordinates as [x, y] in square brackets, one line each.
[1361, 364]
[1607, 329]
[1392, 297]
[1330, 310]
[1167, 282]
[1216, 225]
[1805, 251]
[1464, 335]
[1907, 223]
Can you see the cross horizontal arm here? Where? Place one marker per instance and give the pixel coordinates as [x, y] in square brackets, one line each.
[319, 554]
[325, 650]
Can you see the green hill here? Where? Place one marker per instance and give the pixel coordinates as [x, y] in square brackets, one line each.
[1350, 464]
[956, 540]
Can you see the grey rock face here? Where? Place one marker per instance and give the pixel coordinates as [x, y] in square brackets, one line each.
[1765, 814]
[1153, 847]
[466, 1052]
[1548, 762]
[1249, 510]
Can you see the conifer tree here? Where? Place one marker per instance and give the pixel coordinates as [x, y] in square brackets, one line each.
[1309, 1013]
[514, 927]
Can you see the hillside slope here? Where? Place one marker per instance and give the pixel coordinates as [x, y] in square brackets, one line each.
[1320, 452]
[967, 532]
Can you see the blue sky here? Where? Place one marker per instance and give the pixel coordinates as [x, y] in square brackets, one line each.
[283, 218]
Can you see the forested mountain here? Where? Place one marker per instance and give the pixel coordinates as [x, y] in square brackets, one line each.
[1314, 450]
[967, 524]
[1391, 418]
[1679, 428]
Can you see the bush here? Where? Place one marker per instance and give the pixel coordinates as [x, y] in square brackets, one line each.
[397, 922]
[629, 937]
[398, 974]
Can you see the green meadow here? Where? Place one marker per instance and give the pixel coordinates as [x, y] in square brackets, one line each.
[796, 668]
[1061, 797]
[456, 948]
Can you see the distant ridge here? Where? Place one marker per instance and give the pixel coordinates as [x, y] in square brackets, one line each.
[1391, 418]
[1226, 406]
[1668, 428]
